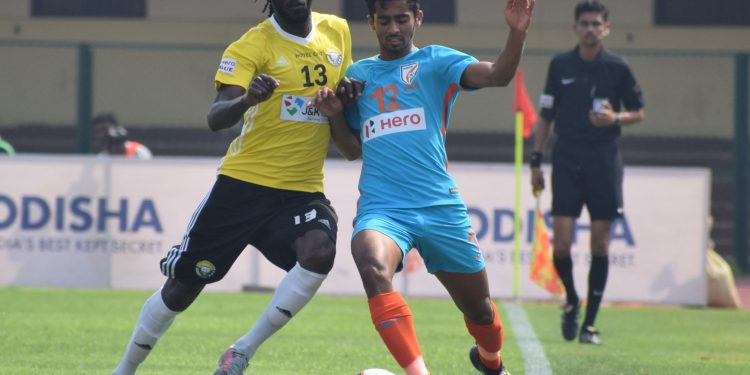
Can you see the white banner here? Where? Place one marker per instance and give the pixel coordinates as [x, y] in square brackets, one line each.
[90, 222]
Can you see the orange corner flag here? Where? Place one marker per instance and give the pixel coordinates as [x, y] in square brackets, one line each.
[522, 104]
[542, 270]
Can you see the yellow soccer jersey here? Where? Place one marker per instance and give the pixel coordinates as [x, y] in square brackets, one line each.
[283, 142]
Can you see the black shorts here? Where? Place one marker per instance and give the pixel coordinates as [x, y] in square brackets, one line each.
[235, 214]
[587, 174]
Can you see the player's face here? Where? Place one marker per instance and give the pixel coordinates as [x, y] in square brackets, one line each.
[292, 10]
[394, 24]
[591, 28]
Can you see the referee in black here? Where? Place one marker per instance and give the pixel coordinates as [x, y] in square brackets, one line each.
[589, 96]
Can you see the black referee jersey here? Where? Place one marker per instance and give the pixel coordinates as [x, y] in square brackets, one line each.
[572, 86]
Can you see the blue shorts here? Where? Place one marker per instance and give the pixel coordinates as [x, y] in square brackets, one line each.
[442, 234]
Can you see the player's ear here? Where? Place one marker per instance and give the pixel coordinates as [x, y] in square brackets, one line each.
[371, 22]
[418, 18]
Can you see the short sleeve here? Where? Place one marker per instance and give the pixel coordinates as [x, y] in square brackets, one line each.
[548, 100]
[632, 95]
[452, 63]
[240, 61]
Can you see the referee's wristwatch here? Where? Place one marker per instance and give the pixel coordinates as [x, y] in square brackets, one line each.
[618, 119]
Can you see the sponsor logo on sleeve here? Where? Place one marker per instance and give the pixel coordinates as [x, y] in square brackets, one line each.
[406, 120]
[227, 65]
[294, 108]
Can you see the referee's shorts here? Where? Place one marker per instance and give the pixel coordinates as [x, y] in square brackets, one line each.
[587, 173]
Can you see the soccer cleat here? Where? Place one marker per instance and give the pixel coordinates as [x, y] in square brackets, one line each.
[589, 335]
[232, 362]
[570, 321]
[474, 357]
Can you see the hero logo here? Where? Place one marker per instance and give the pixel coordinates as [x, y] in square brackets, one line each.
[79, 214]
[227, 65]
[406, 120]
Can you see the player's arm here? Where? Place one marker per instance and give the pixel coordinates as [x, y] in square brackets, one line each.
[542, 132]
[233, 101]
[500, 73]
[330, 105]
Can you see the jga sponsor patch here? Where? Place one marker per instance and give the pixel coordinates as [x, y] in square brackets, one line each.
[294, 108]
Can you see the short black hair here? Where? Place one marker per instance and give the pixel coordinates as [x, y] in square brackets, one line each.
[587, 6]
[414, 5]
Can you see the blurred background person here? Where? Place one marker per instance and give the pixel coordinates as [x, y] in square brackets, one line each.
[111, 138]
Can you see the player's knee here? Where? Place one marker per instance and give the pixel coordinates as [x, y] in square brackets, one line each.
[374, 276]
[178, 296]
[318, 257]
[481, 313]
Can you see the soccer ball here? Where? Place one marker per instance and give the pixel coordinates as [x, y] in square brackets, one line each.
[375, 371]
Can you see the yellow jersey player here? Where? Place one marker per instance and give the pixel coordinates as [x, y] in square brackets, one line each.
[269, 190]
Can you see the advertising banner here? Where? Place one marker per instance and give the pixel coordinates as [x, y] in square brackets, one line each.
[93, 222]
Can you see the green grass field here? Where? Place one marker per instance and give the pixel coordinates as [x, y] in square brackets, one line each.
[73, 331]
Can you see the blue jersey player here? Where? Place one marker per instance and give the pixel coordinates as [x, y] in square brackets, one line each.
[398, 106]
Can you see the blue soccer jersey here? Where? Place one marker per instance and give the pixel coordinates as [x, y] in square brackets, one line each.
[402, 118]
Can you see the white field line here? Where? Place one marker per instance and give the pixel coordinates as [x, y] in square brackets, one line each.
[534, 359]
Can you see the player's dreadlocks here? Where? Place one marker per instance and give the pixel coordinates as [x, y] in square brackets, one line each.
[268, 7]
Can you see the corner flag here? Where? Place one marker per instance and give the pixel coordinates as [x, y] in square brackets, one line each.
[541, 270]
[522, 104]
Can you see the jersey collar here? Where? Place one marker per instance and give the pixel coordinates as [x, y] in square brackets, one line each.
[306, 40]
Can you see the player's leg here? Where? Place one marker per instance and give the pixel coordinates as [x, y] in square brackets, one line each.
[563, 227]
[567, 204]
[597, 280]
[301, 240]
[156, 315]
[471, 294]
[604, 203]
[449, 249]
[378, 249]
[204, 256]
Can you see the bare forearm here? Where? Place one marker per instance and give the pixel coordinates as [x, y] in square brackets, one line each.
[541, 135]
[346, 142]
[504, 69]
[631, 117]
[225, 114]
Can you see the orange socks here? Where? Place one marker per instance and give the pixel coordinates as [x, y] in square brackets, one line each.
[489, 338]
[393, 321]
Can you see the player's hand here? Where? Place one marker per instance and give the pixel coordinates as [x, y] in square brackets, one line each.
[518, 14]
[349, 90]
[604, 117]
[260, 89]
[327, 102]
[537, 181]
